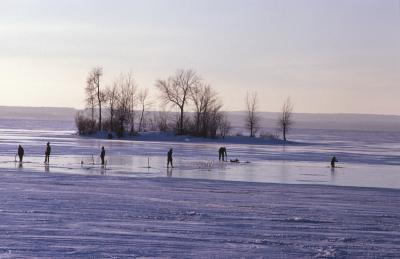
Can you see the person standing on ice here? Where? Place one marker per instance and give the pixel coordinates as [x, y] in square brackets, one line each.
[20, 153]
[222, 154]
[102, 155]
[47, 153]
[333, 161]
[169, 158]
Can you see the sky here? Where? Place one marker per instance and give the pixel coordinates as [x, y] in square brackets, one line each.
[328, 56]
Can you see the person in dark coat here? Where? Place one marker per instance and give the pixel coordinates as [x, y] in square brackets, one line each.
[222, 154]
[20, 153]
[47, 153]
[169, 158]
[102, 155]
[333, 161]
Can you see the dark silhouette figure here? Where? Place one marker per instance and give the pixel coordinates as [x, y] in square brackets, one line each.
[169, 159]
[333, 161]
[222, 154]
[20, 153]
[102, 155]
[47, 153]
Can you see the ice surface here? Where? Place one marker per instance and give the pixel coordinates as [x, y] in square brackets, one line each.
[367, 159]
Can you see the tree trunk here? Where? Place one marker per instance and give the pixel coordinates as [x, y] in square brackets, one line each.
[181, 123]
[111, 120]
[100, 126]
[284, 131]
[141, 120]
[121, 128]
[198, 123]
[99, 100]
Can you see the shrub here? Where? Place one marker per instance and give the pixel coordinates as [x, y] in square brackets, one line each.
[84, 125]
[269, 136]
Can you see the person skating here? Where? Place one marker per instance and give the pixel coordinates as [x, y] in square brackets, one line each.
[169, 158]
[47, 153]
[102, 155]
[222, 154]
[333, 161]
[20, 153]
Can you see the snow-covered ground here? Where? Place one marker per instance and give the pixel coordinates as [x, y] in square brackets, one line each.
[72, 216]
[135, 207]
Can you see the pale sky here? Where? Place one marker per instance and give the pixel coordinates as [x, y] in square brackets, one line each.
[335, 56]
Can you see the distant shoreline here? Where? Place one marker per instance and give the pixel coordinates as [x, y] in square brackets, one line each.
[30, 108]
[363, 122]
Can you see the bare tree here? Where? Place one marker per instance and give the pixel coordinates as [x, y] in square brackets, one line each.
[252, 119]
[162, 120]
[90, 97]
[144, 103]
[197, 96]
[214, 117]
[176, 90]
[126, 101]
[205, 101]
[224, 125]
[94, 80]
[112, 96]
[285, 119]
[131, 86]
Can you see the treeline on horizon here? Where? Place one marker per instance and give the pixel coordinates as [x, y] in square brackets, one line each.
[122, 108]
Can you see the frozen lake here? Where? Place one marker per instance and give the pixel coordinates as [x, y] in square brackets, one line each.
[367, 159]
[128, 210]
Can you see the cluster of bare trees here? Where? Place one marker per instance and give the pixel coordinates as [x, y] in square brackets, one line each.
[186, 88]
[198, 106]
[118, 106]
[252, 120]
[122, 99]
[119, 100]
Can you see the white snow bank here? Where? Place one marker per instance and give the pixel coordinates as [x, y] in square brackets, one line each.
[170, 137]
